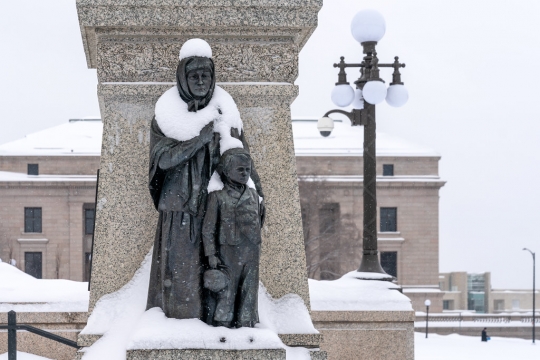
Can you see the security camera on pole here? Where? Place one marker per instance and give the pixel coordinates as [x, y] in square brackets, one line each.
[367, 27]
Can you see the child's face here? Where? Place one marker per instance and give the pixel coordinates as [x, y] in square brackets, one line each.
[239, 169]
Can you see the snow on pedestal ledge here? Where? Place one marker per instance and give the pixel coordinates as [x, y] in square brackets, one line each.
[351, 293]
[125, 325]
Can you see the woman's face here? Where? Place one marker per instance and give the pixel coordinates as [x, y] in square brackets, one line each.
[199, 82]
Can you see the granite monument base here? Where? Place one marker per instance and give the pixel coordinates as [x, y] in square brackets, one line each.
[363, 335]
[207, 354]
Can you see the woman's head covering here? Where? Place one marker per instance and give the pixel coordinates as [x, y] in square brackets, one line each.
[184, 67]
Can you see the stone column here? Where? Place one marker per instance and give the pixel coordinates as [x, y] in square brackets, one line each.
[134, 45]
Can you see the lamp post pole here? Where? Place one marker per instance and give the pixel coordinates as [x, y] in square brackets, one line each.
[367, 27]
[533, 294]
[427, 303]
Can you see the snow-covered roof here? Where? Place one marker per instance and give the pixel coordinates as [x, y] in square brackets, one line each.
[83, 138]
[79, 137]
[347, 140]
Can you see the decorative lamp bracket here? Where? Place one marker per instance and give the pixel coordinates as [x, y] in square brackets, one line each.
[357, 117]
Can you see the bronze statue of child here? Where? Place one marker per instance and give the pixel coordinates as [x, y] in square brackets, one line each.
[232, 237]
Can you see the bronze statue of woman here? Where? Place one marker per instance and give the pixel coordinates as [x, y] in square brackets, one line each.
[184, 151]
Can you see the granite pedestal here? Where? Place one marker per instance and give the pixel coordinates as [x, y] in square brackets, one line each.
[134, 46]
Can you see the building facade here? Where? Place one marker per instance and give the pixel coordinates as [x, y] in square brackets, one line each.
[331, 184]
[47, 196]
[473, 292]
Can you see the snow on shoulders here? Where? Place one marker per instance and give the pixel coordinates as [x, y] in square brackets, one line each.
[215, 183]
[178, 123]
[195, 47]
[350, 293]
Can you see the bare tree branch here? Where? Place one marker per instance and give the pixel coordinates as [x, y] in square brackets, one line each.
[328, 241]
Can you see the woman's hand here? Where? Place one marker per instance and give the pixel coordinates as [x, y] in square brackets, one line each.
[213, 261]
[207, 133]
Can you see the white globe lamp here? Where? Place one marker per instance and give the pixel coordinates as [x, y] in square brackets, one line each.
[397, 95]
[342, 95]
[374, 92]
[368, 25]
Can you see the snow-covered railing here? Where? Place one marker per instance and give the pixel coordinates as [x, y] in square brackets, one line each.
[12, 328]
[480, 318]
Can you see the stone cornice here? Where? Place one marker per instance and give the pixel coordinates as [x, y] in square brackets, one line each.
[293, 20]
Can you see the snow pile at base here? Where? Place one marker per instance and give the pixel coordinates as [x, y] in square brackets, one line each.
[124, 323]
[452, 347]
[116, 316]
[22, 292]
[24, 356]
[155, 331]
[287, 315]
[195, 47]
[350, 293]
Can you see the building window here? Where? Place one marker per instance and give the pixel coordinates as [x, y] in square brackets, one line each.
[89, 215]
[388, 169]
[389, 262]
[32, 220]
[388, 219]
[515, 304]
[498, 305]
[33, 169]
[328, 218]
[448, 304]
[33, 264]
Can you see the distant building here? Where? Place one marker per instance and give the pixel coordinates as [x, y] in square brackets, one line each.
[330, 171]
[47, 194]
[473, 292]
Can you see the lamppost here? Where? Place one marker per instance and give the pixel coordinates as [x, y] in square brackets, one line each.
[428, 304]
[534, 293]
[367, 27]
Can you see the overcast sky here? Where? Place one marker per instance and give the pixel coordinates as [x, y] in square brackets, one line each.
[473, 79]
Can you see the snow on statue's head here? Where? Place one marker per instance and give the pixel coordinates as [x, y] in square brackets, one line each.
[195, 76]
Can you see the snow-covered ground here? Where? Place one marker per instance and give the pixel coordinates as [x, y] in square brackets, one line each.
[453, 347]
[457, 347]
[22, 292]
